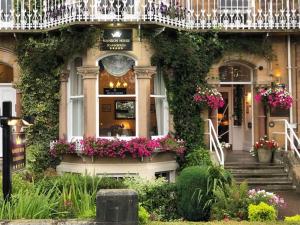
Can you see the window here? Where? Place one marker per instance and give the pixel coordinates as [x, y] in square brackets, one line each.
[117, 97]
[159, 108]
[76, 100]
[234, 4]
[5, 7]
[6, 74]
[234, 73]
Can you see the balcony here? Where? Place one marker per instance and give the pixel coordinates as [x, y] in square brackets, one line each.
[235, 15]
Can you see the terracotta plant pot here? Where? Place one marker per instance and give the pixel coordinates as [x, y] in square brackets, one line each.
[264, 155]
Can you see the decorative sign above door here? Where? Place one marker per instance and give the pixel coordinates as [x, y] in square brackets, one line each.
[116, 40]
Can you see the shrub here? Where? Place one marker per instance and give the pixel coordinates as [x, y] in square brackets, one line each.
[157, 196]
[30, 204]
[257, 196]
[143, 216]
[262, 212]
[198, 157]
[231, 202]
[195, 187]
[295, 218]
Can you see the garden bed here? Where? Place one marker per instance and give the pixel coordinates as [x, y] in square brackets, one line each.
[221, 223]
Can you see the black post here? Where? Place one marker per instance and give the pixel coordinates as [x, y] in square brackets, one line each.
[6, 138]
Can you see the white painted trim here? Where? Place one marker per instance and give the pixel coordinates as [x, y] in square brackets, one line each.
[117, 96]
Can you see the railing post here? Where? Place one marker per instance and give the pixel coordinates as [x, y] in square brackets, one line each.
[210, 136]
[285, 136]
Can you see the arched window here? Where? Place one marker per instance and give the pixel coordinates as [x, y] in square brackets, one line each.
[117, 96]
[76, 122]
[235, 73]
[6, 73]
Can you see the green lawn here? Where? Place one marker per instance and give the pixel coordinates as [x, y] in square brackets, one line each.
[221, 223]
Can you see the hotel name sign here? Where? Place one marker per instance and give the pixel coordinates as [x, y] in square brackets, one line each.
[116, 40]
[18, 150]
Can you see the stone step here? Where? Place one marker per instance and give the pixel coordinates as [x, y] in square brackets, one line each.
[260, 180]
[259, 175]
[273, 187]
[255, 171]
[253, 166]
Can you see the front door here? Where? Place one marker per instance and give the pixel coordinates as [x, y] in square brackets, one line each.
[224, 116]
[7, 93]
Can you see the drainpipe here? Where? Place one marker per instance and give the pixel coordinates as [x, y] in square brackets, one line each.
[290, 73]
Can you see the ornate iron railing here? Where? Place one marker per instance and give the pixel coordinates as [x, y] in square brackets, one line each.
[182, 14]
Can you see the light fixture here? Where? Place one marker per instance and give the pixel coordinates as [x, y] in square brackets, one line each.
[118, 84]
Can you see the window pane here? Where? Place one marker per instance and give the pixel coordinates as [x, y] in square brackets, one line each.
[113, 85]
[6, 74]
[6, 6]
[77, 117]
[76, 79]
[117, 116]
[158, 107]
[234, 73]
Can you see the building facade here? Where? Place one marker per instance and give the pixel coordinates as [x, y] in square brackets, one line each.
[112, 90]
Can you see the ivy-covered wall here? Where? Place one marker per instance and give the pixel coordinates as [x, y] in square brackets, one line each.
[185, 59]
[41, 58]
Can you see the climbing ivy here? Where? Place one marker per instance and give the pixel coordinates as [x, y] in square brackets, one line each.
[185, 59]
[41, 58]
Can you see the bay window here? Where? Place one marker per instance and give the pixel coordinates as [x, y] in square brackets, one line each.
[117, 97]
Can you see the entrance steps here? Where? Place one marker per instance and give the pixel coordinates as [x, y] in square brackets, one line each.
[270, 176]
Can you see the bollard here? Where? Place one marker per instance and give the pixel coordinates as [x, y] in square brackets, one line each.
[117, 207]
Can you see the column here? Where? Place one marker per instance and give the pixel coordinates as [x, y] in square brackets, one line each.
[143, 75]
[63, 104]
[89, 75]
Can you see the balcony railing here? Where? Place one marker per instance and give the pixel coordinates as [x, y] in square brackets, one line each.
[189, 14]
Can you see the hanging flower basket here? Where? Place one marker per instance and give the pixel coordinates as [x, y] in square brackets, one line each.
[209, 97]
[274, 97]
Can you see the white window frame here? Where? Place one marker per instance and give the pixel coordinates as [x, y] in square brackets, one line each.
[165, 113]
[135, 96]
[70, 100]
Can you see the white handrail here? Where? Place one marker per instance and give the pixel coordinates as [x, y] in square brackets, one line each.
[290, 137]
[214, 143]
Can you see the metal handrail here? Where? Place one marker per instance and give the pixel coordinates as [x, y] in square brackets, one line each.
[214, 143]
[289, 137]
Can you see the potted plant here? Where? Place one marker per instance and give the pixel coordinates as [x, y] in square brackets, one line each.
[264, 149]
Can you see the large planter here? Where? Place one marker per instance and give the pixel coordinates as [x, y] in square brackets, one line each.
[264, 155]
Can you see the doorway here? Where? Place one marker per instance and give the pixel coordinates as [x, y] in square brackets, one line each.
[235, 118]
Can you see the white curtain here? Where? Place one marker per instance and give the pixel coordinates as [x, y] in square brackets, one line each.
[76, 92]
[161, 105]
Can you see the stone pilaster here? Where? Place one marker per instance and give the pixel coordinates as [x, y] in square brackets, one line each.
[89, 75]
[143, 75]
[63, 104]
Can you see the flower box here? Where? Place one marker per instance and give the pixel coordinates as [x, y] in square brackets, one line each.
[157, 157]
[137, 148]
